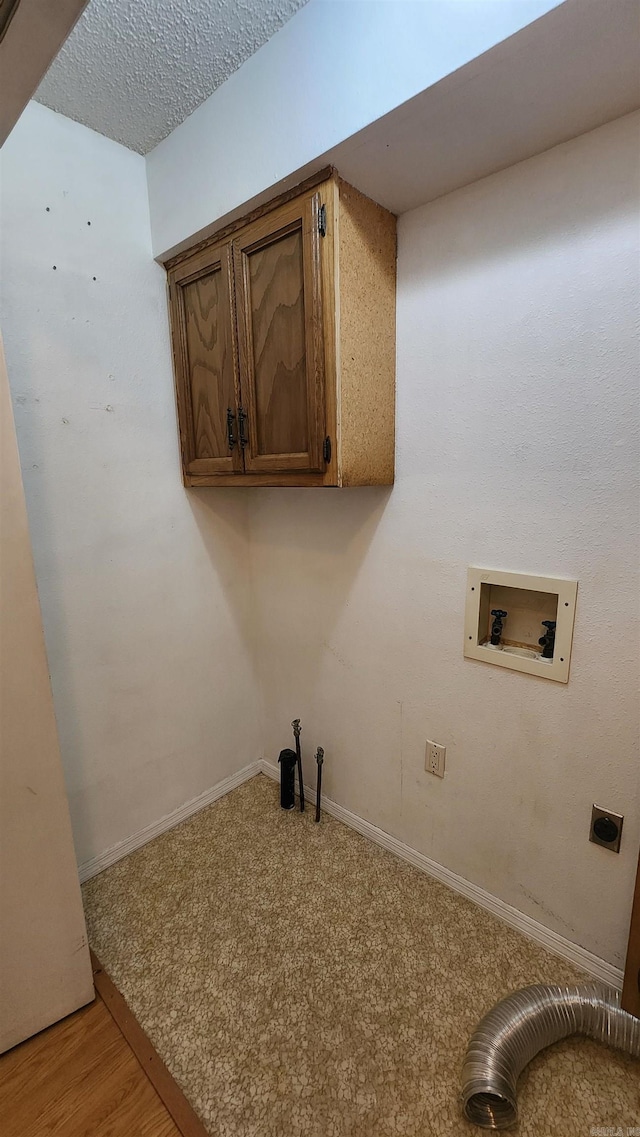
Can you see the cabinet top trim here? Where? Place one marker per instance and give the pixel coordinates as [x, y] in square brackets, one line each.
[260, 211]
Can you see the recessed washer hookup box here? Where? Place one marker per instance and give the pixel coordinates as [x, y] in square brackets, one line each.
[520, 621]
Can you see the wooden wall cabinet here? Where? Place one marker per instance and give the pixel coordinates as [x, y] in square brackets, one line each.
[283, 329]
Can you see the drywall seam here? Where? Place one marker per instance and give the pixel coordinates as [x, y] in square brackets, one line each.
[97, 864]
[590, 963]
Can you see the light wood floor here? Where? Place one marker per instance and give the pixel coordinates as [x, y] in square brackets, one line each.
[79, 1078]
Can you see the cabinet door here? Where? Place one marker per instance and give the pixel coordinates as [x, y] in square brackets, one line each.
[203, 324]
[280, 335]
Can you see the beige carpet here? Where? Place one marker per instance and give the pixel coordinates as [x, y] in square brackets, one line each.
[299, 981]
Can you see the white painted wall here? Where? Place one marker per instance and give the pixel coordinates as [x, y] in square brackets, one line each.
[143, 586]
[517, 448]
[337, 66]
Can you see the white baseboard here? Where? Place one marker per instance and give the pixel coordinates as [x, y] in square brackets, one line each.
[549, 939]
[555, 943]
[143, 836]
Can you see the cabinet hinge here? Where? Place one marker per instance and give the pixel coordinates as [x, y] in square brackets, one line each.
[322, 221]
[326, 449]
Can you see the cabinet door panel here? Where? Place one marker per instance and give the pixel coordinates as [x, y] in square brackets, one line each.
[278, 287]
[206, 369]
[277, 296]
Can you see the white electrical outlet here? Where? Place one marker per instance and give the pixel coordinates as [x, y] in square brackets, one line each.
[434, 762]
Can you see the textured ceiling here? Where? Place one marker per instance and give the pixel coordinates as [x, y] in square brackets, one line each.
[134, 69]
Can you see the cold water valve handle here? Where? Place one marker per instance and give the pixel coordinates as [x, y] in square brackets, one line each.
[547, 641]
[499, 615]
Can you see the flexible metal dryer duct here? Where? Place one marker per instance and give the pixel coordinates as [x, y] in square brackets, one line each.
[511, 1034]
